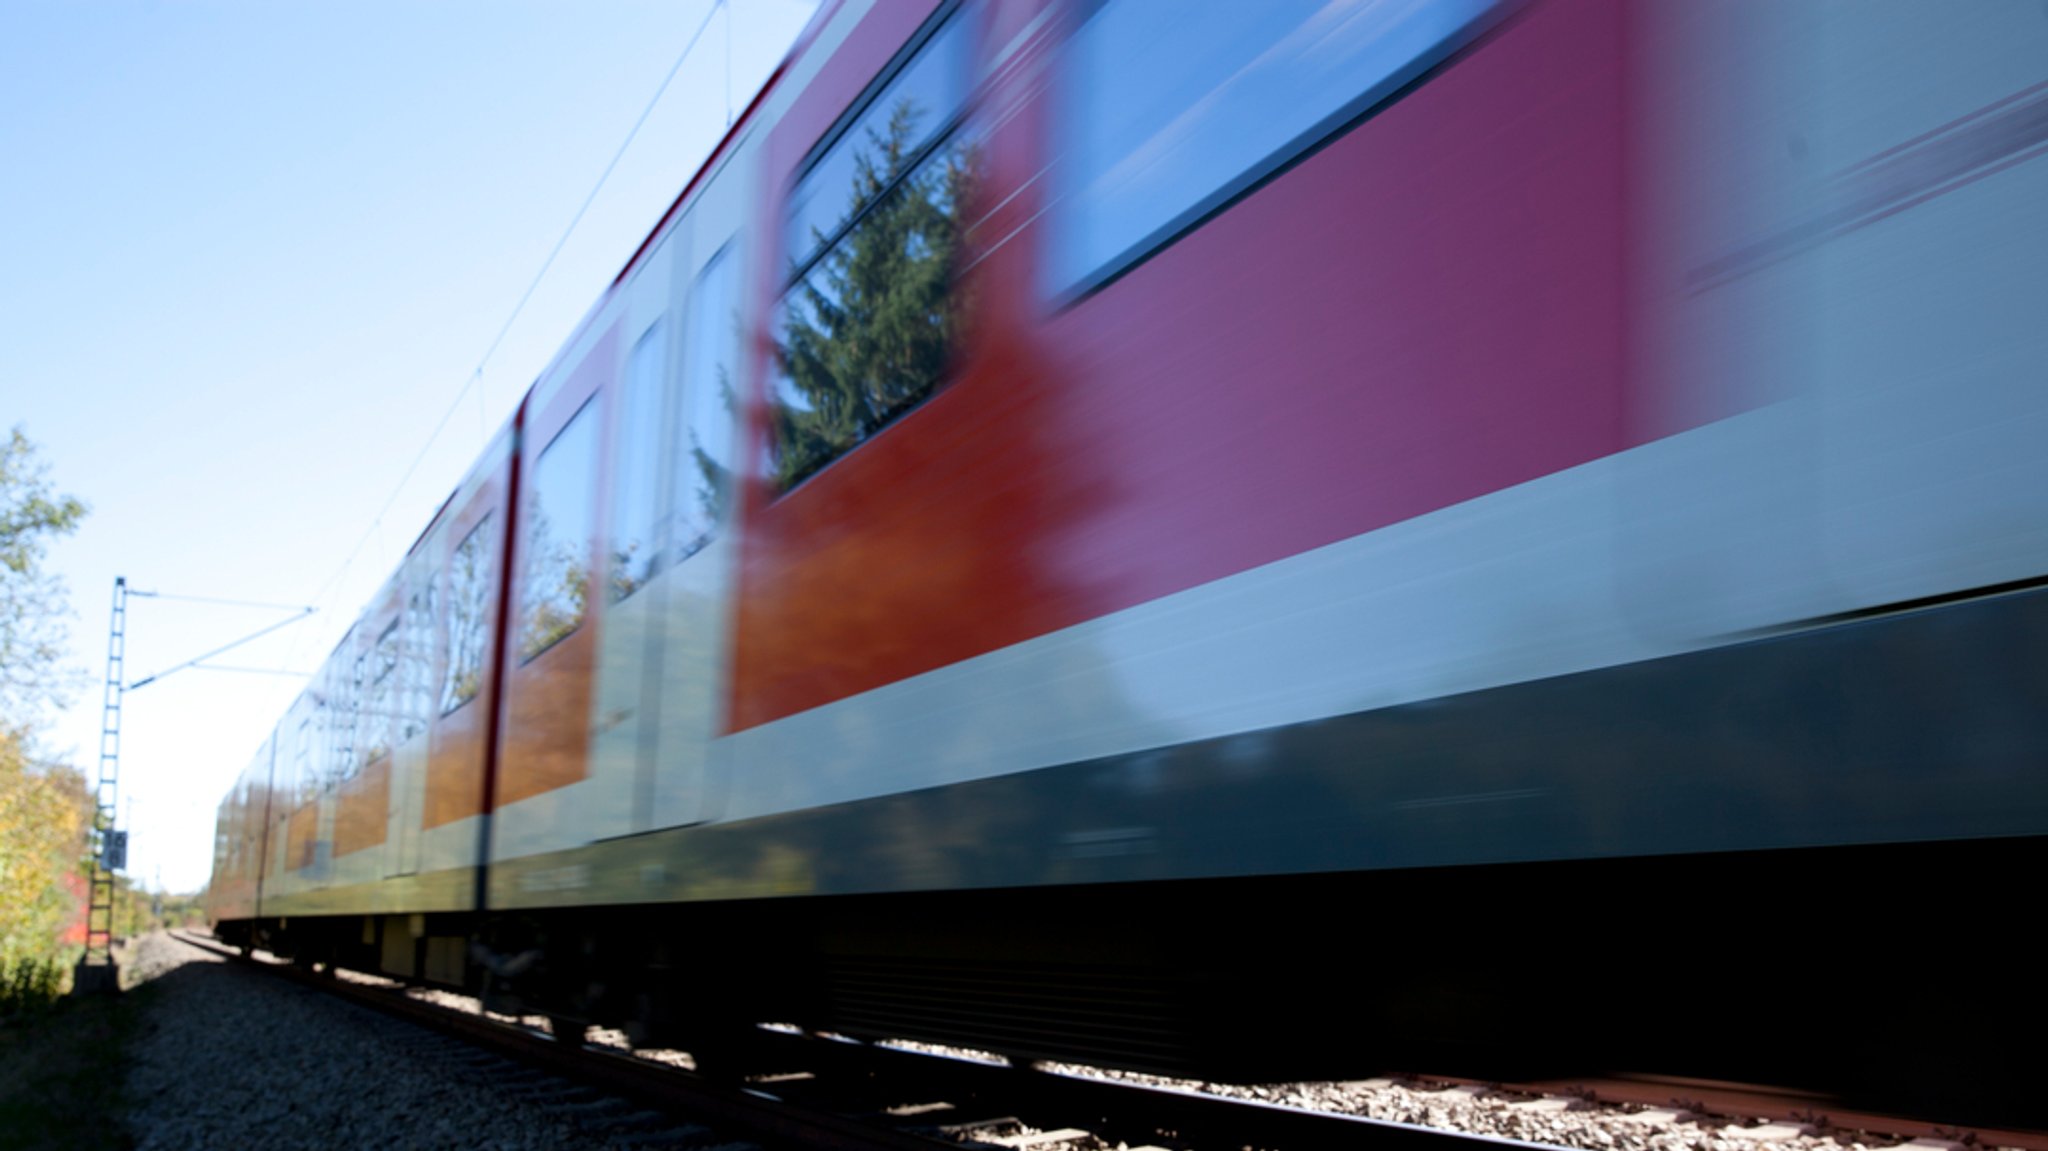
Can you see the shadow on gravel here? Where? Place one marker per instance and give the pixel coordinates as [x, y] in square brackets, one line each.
[64, 1072]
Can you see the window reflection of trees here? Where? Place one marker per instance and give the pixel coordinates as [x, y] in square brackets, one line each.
[343, 697]
[705, 486]
[418, 671]
[556, 580]
[557, 587]
[710, 472]
[377, 710]
[304, 783]
[635, 549]
[468, 596]
[867, 331]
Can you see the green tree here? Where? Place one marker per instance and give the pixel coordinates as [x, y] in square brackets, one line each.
[867, 334]
[32, 604]
[45, 809]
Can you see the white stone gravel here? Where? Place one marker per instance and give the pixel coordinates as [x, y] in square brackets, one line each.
[1555, 1122]
[231, 1058]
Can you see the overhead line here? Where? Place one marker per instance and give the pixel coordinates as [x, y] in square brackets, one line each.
[283, 671]
[588, 200]
[226, 647]
[520, 307]
[218, 600]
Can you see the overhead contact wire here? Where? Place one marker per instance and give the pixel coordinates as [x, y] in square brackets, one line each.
[477, 374]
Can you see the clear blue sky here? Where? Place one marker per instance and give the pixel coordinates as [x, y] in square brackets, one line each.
[249, 255]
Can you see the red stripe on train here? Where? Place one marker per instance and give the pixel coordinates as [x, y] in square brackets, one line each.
[1428, 309]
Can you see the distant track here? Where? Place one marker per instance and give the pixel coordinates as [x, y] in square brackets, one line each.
[843, 1094]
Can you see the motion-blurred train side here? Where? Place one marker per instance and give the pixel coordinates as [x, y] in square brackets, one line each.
[1257, 539]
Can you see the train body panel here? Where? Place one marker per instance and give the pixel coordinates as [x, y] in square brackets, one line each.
[1025, 477]
[377, 773]
[238, 842]
[652, 677]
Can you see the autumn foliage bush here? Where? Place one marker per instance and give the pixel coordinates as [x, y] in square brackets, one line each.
[44, 814]
[45, 808]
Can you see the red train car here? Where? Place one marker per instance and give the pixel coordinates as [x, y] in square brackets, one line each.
[1082, 512]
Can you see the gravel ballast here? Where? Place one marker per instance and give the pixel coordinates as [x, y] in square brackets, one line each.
[234, 1057]
[228, 1057]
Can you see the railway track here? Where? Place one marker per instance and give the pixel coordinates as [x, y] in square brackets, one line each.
[842, 1094]
[1673, 1099]
[823, 1091]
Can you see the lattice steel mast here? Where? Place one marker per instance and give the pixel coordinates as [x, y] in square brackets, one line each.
[96, 972]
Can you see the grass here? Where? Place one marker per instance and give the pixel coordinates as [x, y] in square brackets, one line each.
[28, 985]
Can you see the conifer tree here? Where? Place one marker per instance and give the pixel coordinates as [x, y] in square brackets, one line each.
[867, 333]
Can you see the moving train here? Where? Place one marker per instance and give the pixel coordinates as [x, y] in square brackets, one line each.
[1257, 540]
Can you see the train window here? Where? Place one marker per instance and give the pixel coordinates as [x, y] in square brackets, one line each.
[555, 584]
[1175, 110]
[303, 782]
[418, 674]
[344, 695]
[469, 598]
[377, 704]
[869, 315]
[902, 117]
[710, 399]
[634, 556]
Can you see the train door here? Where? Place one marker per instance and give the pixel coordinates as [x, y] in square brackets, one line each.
[418, 670]
[462, 585]
[694, 637]
[1716, 508]
[638, 551]
[545, 797]
[664, 482]
[362, 796]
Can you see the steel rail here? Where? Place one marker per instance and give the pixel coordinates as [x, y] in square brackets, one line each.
[775, 1111]
[729, 1109]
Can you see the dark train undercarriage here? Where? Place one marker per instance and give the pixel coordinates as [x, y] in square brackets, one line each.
[1883, 975]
